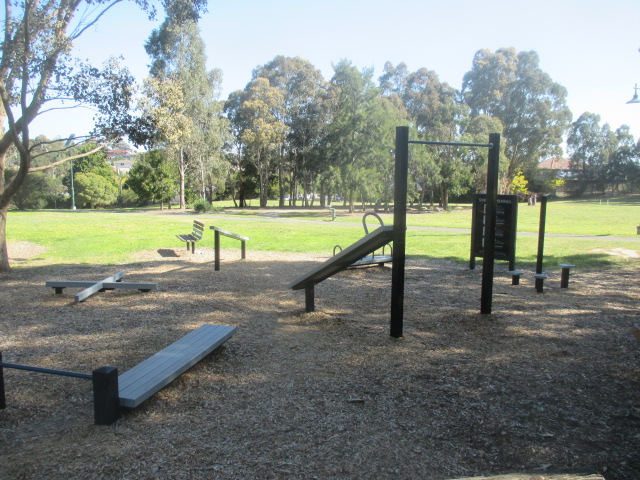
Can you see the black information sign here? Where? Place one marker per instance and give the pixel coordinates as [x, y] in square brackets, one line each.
[506, 223]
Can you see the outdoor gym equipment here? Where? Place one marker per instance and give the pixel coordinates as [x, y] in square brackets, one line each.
[506, 227]
[400, 222]
[371, 258]
[90, 288]
[397, 233]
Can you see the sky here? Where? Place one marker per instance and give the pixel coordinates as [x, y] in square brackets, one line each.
[590, 47]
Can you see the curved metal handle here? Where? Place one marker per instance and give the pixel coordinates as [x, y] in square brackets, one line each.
[364, 221]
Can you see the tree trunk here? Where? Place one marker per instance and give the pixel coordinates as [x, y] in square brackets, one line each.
[182, 170]
[4, 253]
[444, 197]
[351, 200]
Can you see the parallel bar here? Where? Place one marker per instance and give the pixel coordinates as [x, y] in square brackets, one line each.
[452, 144]
[50, 371]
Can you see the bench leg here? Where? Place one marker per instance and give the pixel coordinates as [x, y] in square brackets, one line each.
[243, 248]
[515, 279]
[309, 300]
[564, 278]
[540, 285]
[106, 400]
[216, 245]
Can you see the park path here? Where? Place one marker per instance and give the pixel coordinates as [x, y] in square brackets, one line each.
[275, 217]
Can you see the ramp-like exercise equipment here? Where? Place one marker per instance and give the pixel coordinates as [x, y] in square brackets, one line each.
[341, 261]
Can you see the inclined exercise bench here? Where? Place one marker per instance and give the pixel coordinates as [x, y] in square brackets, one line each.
[111, 392]
[195, 236]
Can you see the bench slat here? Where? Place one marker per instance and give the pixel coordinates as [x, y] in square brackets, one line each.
[154, 373]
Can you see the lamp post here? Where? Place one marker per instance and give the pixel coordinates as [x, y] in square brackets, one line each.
[73, 194]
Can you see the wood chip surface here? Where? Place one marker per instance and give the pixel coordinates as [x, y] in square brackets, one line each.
[549, 384]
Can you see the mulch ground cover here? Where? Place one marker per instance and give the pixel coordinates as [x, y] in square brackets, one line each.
[549, 383]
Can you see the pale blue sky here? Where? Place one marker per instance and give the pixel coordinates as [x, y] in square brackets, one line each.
[590, 47]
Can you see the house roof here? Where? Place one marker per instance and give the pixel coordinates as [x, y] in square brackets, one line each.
[555, 164]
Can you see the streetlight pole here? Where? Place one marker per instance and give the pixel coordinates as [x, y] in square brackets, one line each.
[73, 193]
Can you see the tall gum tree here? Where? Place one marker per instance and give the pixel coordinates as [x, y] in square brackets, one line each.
[36, 68]
[530, 105]
[179, 61]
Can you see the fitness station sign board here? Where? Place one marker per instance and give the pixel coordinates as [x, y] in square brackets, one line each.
[506, 224]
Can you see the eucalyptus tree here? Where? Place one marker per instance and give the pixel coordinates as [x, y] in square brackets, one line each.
[354, 138]
[531, 106]
[437, 114]
[36, 69]
[184, 109]
[591, 147]
[303, 88]
[256, 117]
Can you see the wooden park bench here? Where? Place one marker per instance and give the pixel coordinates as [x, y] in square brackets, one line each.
[194, 236]
[111, 392]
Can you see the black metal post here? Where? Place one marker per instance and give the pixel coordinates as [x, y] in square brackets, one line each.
[243, 249]
[474, 219]
[399, 231]
[3, 401]
[106, 400]
[216, 243]
[309, 298]
[540, 257]
[564, 278]
[490, 224]
[543, 221]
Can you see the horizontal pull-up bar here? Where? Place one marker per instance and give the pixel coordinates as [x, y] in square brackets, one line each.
[50, 371]
[452, 144]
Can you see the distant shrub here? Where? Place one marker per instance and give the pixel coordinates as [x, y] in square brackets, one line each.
[201, 205]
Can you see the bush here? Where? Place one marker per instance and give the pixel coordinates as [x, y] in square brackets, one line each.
[201, 206]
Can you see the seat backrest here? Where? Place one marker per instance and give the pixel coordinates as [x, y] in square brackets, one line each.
[198, 229]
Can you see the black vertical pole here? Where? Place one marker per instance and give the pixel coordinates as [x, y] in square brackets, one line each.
[243, 249]
[106, 399]
[474, 217]
[540, 259]
[309, 298]
[3, 401]
[216, 247]
[399, 231]
[490, 224]
[543, 221]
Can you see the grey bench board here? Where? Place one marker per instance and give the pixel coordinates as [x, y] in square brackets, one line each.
[105, 285]
[341, 261]
[154, 373]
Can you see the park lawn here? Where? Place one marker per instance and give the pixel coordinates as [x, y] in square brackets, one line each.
[617, 216]
[108, 237]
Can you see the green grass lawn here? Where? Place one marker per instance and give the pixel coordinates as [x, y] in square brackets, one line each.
[110, 237]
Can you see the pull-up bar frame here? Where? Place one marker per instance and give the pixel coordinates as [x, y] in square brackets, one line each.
[400, 222]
